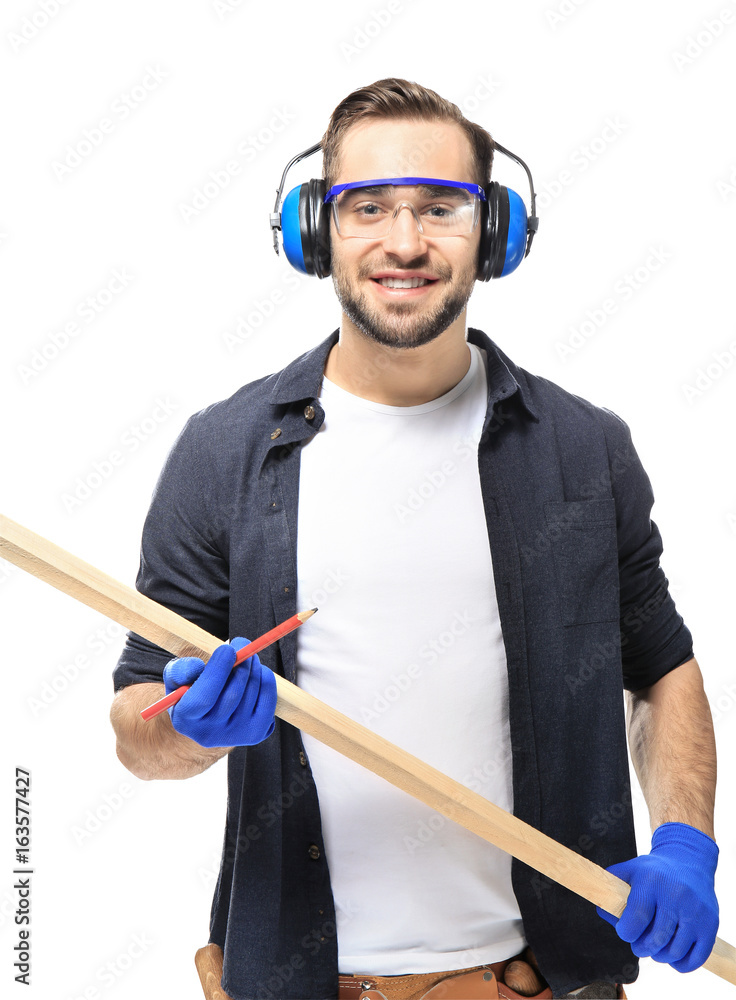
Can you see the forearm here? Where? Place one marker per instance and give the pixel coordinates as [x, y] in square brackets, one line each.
[154, 749]
[673, 748]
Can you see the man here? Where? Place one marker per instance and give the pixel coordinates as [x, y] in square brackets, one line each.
[489, 579]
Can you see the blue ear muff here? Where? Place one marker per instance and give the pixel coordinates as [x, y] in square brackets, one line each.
[291, 230]
[516, 234]
[305, 228]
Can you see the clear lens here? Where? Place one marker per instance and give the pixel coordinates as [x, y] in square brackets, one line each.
[370, 212]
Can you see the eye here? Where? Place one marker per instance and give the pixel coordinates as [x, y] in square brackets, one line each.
[367, 210]
[439, 211]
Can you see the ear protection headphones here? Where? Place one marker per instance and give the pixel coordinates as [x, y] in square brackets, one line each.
[304, 220]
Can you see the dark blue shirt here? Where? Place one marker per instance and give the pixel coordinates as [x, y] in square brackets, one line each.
[585, 611]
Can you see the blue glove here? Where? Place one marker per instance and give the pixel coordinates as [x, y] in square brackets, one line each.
[223, 707]
[672, 911]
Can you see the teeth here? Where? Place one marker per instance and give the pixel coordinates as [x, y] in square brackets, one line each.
[403, 282]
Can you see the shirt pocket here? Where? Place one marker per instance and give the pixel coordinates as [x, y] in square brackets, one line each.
[582, 534]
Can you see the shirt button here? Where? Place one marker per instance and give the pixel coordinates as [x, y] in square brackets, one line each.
[313, 852]
[275, 433]
[309, 412]
[302, 758]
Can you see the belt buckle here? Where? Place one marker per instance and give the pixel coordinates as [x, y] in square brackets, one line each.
[370, 992]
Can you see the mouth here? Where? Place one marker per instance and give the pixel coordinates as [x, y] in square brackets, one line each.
[395, 286]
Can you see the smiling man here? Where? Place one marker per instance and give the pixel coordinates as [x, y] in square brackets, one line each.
[488, 577]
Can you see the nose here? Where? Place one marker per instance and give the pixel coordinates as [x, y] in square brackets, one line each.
[404, 239]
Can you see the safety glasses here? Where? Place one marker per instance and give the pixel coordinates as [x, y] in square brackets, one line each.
[368, 209]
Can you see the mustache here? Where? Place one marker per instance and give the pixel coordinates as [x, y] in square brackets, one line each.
[441, 271]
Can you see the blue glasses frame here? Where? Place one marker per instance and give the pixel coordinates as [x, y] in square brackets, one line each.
[336, 189]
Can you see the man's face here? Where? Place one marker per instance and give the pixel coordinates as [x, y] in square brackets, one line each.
[404, 317]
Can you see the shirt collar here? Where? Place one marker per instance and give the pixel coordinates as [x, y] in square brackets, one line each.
[302, 378]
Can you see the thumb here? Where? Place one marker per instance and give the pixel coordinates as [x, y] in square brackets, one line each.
[623, 871]
[184, 670]
[239, 642]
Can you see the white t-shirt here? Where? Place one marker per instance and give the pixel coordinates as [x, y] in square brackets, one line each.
[393, 548]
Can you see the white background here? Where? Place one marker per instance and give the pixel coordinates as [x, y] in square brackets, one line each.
[116, 857]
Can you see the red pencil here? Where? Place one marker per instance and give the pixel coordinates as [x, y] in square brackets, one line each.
[253, 647]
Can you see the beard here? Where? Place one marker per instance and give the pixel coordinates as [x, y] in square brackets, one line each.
[401, 324]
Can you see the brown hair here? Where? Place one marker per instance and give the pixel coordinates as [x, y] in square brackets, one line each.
[401, 99]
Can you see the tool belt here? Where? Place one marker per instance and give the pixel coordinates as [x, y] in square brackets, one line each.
[480, 982]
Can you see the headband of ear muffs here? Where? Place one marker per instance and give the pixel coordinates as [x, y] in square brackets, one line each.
[506, 232]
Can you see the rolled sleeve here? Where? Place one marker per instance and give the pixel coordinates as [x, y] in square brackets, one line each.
[654, 637]
[182, 564]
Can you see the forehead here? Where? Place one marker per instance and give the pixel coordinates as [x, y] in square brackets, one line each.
[405, 148]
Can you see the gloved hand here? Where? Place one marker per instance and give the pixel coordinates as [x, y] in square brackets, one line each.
[672, 911]
[224, 707]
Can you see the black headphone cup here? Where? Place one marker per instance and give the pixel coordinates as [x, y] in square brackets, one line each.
[486, 236]
[488, 233]
[501, 234]
[318, 234]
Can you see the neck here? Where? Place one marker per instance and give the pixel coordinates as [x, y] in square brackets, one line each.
[398, 376]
